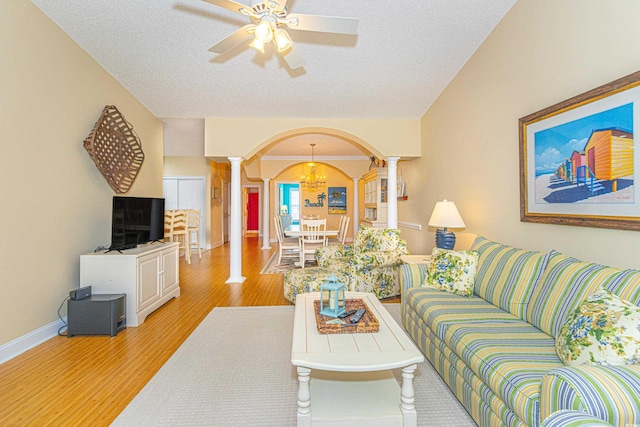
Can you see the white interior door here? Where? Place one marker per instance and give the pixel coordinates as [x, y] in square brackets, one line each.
[187, 193]
[170, 192]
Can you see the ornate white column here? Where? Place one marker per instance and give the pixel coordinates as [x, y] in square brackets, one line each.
[356, 209]
[235, 231]
[392, 192]
[266, 224]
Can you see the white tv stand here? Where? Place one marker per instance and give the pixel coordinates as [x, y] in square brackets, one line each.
[148, 275]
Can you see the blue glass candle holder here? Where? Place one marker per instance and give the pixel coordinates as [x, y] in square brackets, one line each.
[332, 297]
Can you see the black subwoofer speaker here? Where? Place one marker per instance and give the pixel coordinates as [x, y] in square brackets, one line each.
[97, 315]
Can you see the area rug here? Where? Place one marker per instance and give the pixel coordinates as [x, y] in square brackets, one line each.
[272, 267]
[235, 370]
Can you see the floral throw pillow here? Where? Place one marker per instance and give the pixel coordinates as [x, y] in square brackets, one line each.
[452, 271]
[603, 330]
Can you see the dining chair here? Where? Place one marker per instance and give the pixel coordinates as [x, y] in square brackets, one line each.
[180, 233]
[287, 247]
[313, 236]
[168, 226]
[343, 228]
[193, 227]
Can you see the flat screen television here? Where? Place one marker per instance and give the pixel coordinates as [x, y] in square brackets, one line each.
[136, 220]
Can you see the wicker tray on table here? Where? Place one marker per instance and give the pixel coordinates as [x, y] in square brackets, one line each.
[368, 322]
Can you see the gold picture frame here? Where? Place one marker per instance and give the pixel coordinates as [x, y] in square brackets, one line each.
[578, 159]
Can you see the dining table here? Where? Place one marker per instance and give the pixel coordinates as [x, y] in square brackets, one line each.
[293, 230]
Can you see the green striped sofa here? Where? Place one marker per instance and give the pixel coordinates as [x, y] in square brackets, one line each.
[496, 350]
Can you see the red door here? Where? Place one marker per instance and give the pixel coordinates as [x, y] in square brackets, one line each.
[252, 212]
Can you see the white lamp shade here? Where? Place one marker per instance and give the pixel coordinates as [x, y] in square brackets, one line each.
[446, 215]
[264, 31]
[257, 45]
[283, 41]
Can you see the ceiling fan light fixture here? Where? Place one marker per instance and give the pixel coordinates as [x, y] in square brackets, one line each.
[283, 40]
[269, 19]
[264, 31]
[257, 44]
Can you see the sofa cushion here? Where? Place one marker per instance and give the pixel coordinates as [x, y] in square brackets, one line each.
[369, 239]
[505, 352]
[626, 285]
[603, 330]
[506, 275]
[511, 358]
[439, 309]
[565, 282]
[452, 271]
[486, 408]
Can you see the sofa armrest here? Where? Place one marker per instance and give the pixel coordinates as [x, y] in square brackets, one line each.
[609, 393]
[573, 419]
[412, 275]
[328, 253]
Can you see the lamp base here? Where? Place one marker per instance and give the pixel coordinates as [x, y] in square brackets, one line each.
[445, 239]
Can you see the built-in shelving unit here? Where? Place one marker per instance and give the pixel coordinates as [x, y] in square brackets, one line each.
[375, 198]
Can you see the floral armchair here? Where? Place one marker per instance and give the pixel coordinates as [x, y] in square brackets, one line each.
[371, 263]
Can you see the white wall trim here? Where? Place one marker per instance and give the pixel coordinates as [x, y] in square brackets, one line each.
[306, 158]
[410, 225]
[26, 342]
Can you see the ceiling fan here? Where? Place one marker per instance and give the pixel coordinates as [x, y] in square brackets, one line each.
[269, 17]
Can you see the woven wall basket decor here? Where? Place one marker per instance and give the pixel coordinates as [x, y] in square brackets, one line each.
[116, 150]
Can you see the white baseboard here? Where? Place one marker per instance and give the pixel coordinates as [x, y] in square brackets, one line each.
[26, 342]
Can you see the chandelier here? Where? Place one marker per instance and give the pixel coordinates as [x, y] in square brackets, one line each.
[312, 182]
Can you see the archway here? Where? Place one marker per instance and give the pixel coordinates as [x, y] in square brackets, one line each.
[258, 166]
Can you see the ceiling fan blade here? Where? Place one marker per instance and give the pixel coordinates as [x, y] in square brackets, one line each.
[233, 40]
[231, 5]
[278, 5]
[293, 58]
[325, 24]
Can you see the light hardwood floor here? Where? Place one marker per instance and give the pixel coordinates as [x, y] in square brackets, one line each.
[83, 381]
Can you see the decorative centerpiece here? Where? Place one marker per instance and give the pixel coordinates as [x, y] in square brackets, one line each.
[332, 297]
[116, 150]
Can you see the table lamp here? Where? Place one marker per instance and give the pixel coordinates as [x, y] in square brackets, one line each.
[445, 215]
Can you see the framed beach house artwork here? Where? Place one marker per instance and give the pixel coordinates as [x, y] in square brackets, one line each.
[578, 159]
[338, 200]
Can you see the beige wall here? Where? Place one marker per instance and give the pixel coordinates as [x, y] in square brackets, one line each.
[335, 178]
[271, 168]
[55, 204]
[390, 137]
[543, 52]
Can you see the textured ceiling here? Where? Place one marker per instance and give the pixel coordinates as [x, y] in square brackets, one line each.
[404, 55]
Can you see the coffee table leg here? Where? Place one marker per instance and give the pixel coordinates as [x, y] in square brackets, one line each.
[304, 397]
[407, 397]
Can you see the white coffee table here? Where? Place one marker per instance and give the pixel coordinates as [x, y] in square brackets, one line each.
[352, 383]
